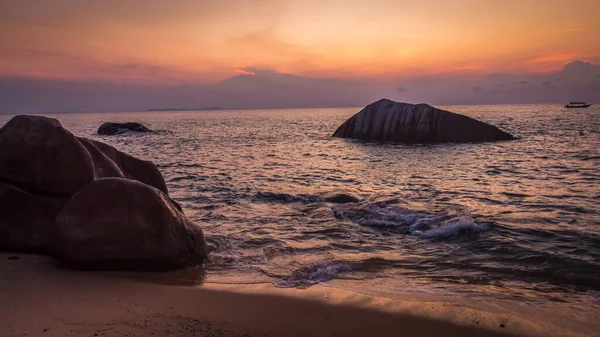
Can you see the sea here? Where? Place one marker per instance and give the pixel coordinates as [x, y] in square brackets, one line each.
[516, 220]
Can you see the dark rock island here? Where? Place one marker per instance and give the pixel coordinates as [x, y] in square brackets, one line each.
[187, 109]
[109, 128]
[387, 120]
[87, 203]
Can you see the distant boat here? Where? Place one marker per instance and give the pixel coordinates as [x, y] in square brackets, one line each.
[574, 105]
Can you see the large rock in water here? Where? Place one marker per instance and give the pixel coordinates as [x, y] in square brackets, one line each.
[124, 224]
[402, 122]
[109, 128]
[39, 155]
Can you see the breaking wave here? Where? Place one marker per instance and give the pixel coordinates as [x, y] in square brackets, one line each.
[413, 223]
[313, 274]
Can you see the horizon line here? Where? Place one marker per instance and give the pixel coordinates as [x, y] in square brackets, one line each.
[167, 110]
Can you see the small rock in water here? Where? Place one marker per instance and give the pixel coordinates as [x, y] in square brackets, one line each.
[116, 128]
[14, 257]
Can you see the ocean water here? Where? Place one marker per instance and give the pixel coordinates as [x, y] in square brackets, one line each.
[517, 220]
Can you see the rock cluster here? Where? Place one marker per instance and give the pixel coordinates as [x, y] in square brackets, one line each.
[87, 203]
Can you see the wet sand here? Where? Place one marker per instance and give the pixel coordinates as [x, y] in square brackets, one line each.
[38, 299]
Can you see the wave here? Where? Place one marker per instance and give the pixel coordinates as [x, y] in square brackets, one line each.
[335, 198]
[413, 223]
[313, 274]
[455, 227]
[284, 197]
[187, 177]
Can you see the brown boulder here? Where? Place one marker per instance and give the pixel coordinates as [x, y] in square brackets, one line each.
[27, 220]
[104, 167]
[116, 223]
[38, 154]
[132, 167]
[402, 122]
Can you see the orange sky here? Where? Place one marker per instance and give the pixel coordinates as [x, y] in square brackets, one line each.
[207, 41]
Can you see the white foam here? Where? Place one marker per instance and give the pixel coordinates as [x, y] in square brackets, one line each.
[453, 227]
[415, 223]
[314, 274]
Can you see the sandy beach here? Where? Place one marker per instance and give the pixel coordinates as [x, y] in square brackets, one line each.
[39, 299]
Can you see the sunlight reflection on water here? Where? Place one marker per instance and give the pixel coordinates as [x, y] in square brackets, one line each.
[537, 197]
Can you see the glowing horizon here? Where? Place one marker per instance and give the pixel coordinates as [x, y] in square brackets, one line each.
[208, 41]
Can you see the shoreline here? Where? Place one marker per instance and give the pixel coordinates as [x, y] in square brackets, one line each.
[38, 299]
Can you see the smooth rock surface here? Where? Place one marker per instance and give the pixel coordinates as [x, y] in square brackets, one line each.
[27, 220]
[38, 154]
[387, 120]
[104, 167]
[110, 128]
[132, 167]
[88, 203]
[117, 223]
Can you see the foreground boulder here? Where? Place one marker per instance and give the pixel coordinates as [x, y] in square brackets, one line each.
[88, 203]
[104, 166]
[38, 154]
[132, 167]
[109, 128]
[124, 224]
[27, 220]
[387, 120]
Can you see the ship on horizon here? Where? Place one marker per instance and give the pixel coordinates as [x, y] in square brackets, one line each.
[575, 105]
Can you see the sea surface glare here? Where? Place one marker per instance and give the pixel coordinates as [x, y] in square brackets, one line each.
[517, 219]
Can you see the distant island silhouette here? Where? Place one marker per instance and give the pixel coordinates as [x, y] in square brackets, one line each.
[185, 109]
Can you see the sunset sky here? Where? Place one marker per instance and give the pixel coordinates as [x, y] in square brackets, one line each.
[193, 42]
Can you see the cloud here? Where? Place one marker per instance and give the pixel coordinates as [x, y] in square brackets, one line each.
[577, 80]
[262, 45]
[68, 66]
[258, 87]
[69, 13]
[551, 58]
[256, 71]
